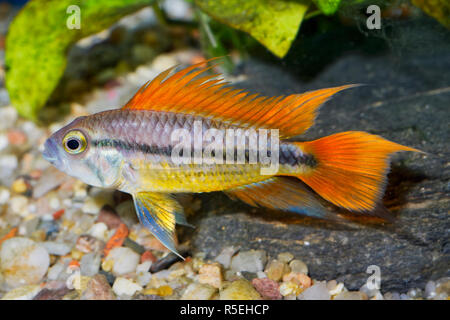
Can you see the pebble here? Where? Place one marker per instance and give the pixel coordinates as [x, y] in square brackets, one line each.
[23, 261]
[92, 205]
[144, 266]
[19, 186]
[275, 270]
[299, 278]
[87, 243]
[210, 274]
[267, 288]
[197, 291]
[4, 195]
[443, 288]
[22, 293]
[18, 205]
[8, 164]
[56, 248]
[143, 278]
[56, 271]
[334, 287]
[90, 264]
[50, 179]
[52, 294]
[290, 288]
[298, 266]
[4, 143]
[285, 257]
[318, 291]
[98, 288]
[109, 217]
[250, 261]
[351, 295]
[9, 116]
[430, 290]
[124, 260]
[125, 287]
[99, 231]
[224, 257]
[239, 290]
[391, 296]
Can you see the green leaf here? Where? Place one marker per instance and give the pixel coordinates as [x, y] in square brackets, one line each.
[438, 9]
[328, 7]
[274, 23]
[38, 40]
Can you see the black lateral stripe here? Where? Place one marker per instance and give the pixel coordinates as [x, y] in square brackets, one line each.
[286, 156]
[132, 146]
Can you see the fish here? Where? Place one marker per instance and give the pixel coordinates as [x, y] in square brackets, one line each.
[191, 131]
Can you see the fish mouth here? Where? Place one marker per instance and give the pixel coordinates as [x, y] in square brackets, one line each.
[50, 152]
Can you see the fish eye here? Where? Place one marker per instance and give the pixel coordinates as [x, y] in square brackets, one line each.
[74, 142]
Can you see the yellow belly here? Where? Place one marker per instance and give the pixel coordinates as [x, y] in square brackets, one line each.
[190, 178]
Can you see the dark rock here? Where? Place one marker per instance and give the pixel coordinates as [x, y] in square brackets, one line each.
[168, 260]
[406, 101]
[109, 276]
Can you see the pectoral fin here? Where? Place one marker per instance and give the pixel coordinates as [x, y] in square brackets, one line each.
[159, 212]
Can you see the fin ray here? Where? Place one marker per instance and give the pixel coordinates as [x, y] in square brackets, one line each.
[190, 91]
[159, 212]
[352, 168]
[282, 193]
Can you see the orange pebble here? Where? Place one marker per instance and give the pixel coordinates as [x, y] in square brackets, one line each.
[12, 233]
[16, 137]
[117, 239]
[73, 264]
[298, 278]
[148, 256]
[58, 214]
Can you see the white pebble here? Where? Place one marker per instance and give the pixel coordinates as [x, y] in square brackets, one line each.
[144, 266]
[92, 206]
[318, 291]
[125, 287]
[144, 278]
[4, 195]
[336, 289]
[18, 205]
[224, 257]
[23, 261]
[3, 142]
[56, 248]
[99, 230]
[250, 261]
[22, 293]
[430, 290]
[125, 260]
[8, 116]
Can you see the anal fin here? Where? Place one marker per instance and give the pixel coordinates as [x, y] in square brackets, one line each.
[282, 193]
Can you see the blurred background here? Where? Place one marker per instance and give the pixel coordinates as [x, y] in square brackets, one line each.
[62, 59]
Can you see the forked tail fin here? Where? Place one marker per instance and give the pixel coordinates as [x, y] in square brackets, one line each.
[351, 168]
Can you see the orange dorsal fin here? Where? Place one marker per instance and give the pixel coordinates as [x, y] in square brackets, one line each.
[190, 91]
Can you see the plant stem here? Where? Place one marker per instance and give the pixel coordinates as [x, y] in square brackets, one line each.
[312, 14]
